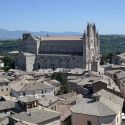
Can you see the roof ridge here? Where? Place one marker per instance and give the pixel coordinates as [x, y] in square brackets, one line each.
[98, 109]
[105, 104]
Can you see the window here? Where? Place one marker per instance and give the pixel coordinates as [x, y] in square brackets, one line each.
[5, 111]
[23, 93]
[55, 108]
[89, 123]
[7, 89]
[1, 89]
[42, 92]
[38, 65]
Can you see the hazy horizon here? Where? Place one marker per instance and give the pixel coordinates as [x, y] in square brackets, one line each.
[77, 33]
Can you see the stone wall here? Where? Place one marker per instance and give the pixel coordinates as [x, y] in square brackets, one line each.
[58, 61]
[30, 60]
[61, 47]
[33, 93]
[106, 120]
[30, 45]
[25, 61]
[82, 119]
[21, 62]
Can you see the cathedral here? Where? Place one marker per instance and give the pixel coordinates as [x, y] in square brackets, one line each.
[42, 52]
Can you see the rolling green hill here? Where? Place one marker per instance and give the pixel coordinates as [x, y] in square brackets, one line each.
[112, 44]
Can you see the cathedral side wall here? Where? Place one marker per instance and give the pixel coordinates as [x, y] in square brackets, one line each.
[61, 47]
[58, 61]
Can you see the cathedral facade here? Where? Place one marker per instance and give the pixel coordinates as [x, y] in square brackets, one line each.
[60, 51]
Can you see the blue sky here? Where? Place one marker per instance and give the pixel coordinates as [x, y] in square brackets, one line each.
[63, 15]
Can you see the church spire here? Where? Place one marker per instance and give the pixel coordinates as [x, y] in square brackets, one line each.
[92, 45]
[91, 29]
[84, 35]
[94, 28]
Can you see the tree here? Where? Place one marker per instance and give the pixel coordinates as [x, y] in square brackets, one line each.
[61, 77]
[8, 63]
[110, 56]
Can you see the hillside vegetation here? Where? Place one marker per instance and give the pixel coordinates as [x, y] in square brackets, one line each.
[112, 44]
[9, 45]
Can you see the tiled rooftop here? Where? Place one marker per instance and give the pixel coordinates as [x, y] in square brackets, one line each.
[38, 116]
[103, 107]
[51, 38]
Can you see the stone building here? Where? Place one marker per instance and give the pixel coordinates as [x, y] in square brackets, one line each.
[4, 86]
[36, 117]
[6, 107]
[25, 103]
[120, 76]
[60, 51]
[35, 89]
[92, 84]
[97, 111]
[119, 59]
[49, 101]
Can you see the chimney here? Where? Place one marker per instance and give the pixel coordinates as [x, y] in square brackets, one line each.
[96, 98]
[29, 113]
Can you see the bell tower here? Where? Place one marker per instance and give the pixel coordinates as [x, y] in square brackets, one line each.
[91, 40]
